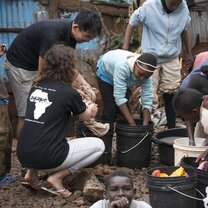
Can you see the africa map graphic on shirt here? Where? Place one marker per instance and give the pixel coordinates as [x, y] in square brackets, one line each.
[41, 101]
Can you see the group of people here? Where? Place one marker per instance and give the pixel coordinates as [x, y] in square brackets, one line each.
[41, 68]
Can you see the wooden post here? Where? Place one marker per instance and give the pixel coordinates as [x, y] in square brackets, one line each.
[53, 9]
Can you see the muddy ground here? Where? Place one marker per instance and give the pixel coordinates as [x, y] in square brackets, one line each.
[13, 194]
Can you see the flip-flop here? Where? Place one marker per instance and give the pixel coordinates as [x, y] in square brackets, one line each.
[33, 187]
[62, 192]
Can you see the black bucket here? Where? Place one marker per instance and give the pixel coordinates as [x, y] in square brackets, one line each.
[133, 144]
[82, 131]
[165, 140]
[202, 179]
[171, 192]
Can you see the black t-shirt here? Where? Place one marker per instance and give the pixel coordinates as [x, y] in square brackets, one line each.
[36, 39]
[42, 143]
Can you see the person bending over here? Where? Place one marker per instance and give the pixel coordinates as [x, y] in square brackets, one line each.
[119, 70]
[192, 106]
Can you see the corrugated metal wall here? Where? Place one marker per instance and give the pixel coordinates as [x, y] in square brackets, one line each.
[199, 25]
[14, 16]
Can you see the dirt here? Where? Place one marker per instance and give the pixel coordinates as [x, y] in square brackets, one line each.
[13, 194]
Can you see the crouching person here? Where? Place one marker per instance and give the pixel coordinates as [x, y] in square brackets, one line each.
[42, 144]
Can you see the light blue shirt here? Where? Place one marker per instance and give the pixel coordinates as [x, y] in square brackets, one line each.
[161, 31]
[114, 69]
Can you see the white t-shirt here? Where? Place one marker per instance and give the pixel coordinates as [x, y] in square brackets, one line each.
[134, 204]
[204, 119]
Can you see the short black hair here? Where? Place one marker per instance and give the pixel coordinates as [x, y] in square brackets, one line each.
[184, 101]
[89, 20]
[117, 173]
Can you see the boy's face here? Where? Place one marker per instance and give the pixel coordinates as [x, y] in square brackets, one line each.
[193, 116]
[120, 186]
[140, 73]
[80, 36]
[173, 4]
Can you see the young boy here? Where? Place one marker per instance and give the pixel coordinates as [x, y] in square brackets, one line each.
[119, 193]
[192, 106]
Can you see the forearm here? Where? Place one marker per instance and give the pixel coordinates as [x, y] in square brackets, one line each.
[79, 80]
[146, 117]
[190, 131]
[127, 115]
[127, 37]
[41, 62]
[186, 41]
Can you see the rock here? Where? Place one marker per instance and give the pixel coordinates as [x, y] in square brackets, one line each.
[93, 189]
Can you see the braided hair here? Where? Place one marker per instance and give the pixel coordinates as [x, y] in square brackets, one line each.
[184, 101]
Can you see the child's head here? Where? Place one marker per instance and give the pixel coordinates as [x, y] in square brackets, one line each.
[59, 64]
[173, 4]
[86, 25]
[145, 66]
[187, 104]
[119, 184]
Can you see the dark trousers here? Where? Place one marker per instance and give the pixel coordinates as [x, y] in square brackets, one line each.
[169, 111]
[110, 108]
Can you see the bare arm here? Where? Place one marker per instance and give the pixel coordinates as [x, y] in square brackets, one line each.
[41, 62]
[186, 42]
[127, 115]
[202, 157]
[127, 37]
[146, 117]
[79, 80]
[190, 131]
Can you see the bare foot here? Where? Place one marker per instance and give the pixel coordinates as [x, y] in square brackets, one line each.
[55, 181]
[32, 177]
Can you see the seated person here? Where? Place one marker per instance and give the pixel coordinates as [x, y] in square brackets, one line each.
[192, 106]
[119, 193]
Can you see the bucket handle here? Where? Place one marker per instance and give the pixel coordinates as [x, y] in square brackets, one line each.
[136, 144]
[184, 155]
[179, 192]
[83, 134]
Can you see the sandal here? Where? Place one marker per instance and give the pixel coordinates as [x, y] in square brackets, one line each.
[33, 187]
[62, 192]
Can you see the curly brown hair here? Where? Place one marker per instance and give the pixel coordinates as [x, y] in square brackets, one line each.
[60, 62]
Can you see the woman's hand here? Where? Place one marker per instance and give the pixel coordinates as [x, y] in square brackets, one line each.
[92, 107]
